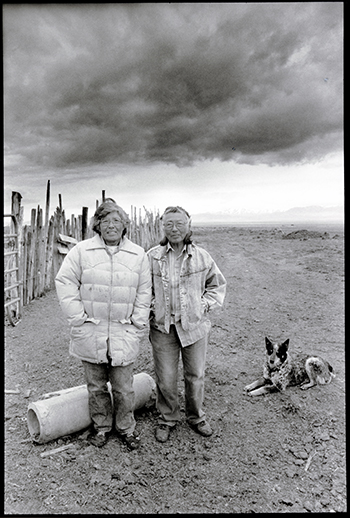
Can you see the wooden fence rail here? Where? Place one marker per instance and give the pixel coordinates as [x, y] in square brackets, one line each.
[43, 244]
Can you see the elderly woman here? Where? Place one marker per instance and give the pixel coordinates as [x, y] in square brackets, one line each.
[104, 290]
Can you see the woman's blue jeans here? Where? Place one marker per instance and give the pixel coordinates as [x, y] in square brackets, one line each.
[166, 354]
[100, 403]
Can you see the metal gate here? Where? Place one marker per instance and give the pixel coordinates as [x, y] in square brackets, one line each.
[12, 282]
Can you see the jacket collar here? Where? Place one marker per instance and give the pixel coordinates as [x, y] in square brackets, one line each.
[97, 242]
[162, 250]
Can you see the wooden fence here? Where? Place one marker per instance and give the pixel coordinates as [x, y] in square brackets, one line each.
[33, 258]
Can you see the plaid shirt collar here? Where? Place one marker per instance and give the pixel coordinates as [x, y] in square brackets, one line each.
[187, 248]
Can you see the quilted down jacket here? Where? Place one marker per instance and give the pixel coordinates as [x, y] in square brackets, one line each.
[106, 299]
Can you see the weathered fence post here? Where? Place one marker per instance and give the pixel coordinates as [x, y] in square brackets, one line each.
[58, 216]
[84, 223]
[31, 255]
[49, 280]
[38, 250]
[44, 262]
[23, 260]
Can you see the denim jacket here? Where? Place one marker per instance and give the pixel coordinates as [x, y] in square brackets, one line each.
[202, 287]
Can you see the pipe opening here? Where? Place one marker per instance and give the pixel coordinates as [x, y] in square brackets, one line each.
[33, 424]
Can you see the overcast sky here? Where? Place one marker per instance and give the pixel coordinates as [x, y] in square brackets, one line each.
[209, 106]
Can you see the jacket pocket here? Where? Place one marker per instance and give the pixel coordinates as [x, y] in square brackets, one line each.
[131, 343]
[83, 341]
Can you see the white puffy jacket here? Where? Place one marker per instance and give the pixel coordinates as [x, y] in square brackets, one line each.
[105, 297]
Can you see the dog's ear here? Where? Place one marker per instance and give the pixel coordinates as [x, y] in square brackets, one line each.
[282, 352]
[269, 345]
[285, 345]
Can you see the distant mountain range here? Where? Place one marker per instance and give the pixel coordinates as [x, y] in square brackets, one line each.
[296, 214]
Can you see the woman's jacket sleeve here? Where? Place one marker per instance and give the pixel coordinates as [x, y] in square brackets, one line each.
[143, 296]
[67, 286]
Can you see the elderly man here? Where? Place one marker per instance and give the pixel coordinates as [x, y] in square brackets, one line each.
[187, 284]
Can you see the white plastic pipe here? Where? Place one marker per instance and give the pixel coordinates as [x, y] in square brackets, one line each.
[67, 411]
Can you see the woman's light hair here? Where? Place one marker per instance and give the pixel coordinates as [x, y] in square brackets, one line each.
[108, 206]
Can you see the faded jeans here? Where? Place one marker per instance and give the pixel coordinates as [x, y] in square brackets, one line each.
[100, 403]
[166, 354]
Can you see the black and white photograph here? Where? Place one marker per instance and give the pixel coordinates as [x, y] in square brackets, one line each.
[174, 314]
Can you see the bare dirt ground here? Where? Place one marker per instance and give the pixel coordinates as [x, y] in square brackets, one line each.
[283, 452]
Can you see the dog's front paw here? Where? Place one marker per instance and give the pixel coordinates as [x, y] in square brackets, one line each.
[307, 385]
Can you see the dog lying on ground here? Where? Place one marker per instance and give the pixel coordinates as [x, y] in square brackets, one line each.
[282, 370]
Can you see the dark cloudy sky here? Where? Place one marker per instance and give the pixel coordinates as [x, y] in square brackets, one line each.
[209, 106]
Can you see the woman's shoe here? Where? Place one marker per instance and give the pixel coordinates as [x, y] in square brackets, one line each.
[132, 441]
[99, 439]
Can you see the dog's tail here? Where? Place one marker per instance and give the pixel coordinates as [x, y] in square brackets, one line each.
[319, 370]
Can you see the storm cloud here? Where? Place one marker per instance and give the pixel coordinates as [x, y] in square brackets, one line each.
[171, 83]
